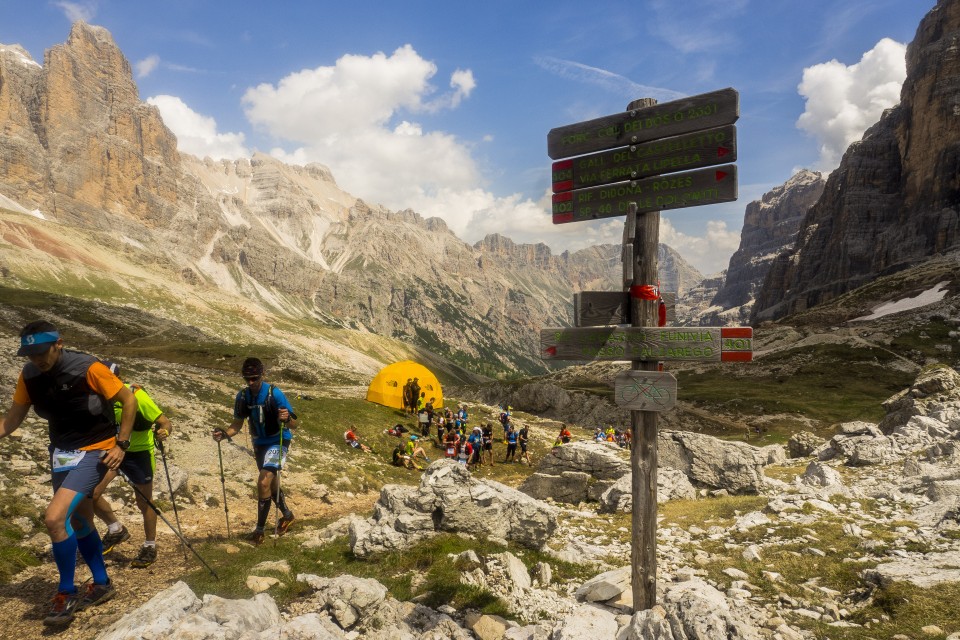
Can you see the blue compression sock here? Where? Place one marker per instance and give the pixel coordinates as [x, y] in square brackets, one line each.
[65, 555]
[91, 548]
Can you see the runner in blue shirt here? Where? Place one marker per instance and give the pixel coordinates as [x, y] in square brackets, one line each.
[266, 411]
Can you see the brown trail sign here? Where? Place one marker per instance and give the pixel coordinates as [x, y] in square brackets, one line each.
[695, 113]
[680, 153]
[673, 191]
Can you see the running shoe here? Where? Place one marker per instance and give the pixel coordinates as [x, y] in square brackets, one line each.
[113, 539]
[255, 537]
[284, 524]
[62, 609]
[93, 594]
[146, 557]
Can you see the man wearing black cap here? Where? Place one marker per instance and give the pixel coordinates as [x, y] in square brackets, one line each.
[75, 393]
[270, 417]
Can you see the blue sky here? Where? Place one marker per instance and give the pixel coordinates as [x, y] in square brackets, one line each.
[444, 107]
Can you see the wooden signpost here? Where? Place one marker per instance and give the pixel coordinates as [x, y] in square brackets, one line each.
[631, 171]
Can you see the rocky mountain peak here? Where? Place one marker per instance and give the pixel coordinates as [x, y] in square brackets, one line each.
[770, 227]
[895, 198]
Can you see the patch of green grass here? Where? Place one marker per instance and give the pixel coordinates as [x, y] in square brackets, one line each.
[710, 511]
[829, 383]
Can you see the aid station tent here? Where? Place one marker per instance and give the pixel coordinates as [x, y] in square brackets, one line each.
[387, 386]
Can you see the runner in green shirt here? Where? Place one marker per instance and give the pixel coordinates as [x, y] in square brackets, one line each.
[139, 465]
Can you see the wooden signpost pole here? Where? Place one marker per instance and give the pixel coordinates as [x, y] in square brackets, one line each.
[635, 174]
[643, 449]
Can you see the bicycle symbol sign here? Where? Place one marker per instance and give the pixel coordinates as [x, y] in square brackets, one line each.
[645, 390]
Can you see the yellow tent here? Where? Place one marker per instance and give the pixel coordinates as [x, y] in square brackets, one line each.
[387, 386]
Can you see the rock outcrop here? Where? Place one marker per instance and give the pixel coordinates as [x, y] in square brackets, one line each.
[449, 500]
[895, 198]
[770, 226]
[736, 467]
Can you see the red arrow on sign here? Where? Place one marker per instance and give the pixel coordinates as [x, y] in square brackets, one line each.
[551, 351]
[721, 175]
[722, 151]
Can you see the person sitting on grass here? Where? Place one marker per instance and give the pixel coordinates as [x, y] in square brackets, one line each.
[563, 437]
[353, 440]
[401, 459]
[413, 449]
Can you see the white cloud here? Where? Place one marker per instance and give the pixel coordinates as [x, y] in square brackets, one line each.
[146, 66]
[350, 117]
[843, 101]
[711, 253]
[197, 134]
[78, 10]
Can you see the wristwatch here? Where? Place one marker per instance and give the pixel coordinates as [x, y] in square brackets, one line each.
[123, 444]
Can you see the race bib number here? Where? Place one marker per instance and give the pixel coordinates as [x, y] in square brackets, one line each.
[272, 457]
[66, 460]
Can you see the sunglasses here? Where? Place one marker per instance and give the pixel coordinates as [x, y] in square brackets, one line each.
[252, 378]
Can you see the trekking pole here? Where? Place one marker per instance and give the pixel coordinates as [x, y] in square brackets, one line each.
[276, 528]
[223, 484]
[173, 498]
[160, 515]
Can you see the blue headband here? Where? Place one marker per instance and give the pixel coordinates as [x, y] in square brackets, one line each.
[39, 338]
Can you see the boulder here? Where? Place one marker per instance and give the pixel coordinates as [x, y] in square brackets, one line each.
[586, 622]
[606, 586]
[734, 466]
[513, 568]
[803, 444]
[600, 460]
[818, 475]
[486, 627]
[569, 487]
[925, 571]
[935, 392]
[671, 485]
[347, 598]
[449, 500]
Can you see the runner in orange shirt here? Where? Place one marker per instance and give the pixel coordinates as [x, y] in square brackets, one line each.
[75, 393]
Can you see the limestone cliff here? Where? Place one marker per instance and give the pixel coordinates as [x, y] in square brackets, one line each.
[895, 198]
[770, 227]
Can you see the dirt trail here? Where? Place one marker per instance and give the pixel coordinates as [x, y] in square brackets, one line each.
[27, 597]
